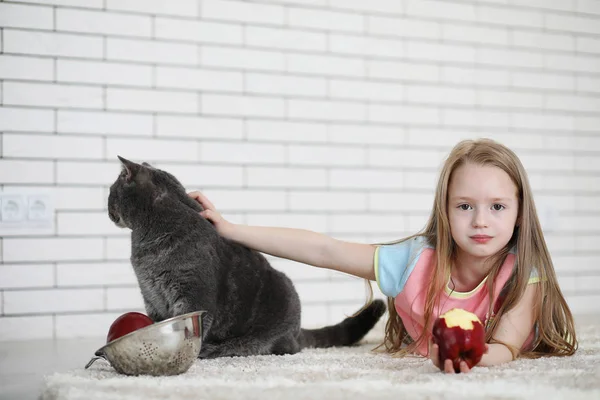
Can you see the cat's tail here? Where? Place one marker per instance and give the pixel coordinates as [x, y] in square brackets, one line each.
[347, 332]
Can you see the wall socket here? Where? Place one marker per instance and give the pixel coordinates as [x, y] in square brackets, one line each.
[26, 211]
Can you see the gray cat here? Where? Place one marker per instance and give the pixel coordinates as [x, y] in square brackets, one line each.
[182, 265]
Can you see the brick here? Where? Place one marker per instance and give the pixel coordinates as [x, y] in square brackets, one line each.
[540, 80]
[406, 202]
[476, 34]
[325, 19]
[20, 119]
[572, 102]
[26, 172]
[385, 6]
[241, 58]
[587, 203]
[87, 173]
[312, 222]
[578, 63]
[242, 106]
[86, 325]
[26, 16]
[443, 10]
[70, 3]
[404, 71]
[106, 73]
[86, 223]
[475, 76]
[587, 44]
[286, 131]
[441, 137]
[363, 178]
[52, 44]
[572, 23]
[151, 51]
[153, 149]
[151, 100]
[440, 52]
[247, 200]
[201, 79]
[288, 85]
[118, 248]
[15, 67]
[198, 127]
[53, 300]
[65, 198]
[52, 95]
[95, 274]
[327, 201]
[369, 223]
[326, 155]
[26, 328]
[198, 31]
[366, 46]
[286, 177]
[327, 110]
[510, 16]
[285, 39]
[102, 22]
[105, 123]
[475, 118]
[420, 180]
[51, 146]
[403, 27]
[587, 163]
[400, 157]
[205, 175]
[542, 121]
[542, 40]
[361, 134]
[440, 95]
[512, 58]
[365, 90]
[124, 298]
[243, 12]
[186, 8]
[51, 249]
[564, 5]
[242, 153]
[493, 98]
[588, 6]
[26, 276]
[325, 65]
[403, 114]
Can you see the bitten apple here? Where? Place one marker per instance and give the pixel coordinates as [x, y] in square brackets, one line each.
[127, 323]
[460, 336]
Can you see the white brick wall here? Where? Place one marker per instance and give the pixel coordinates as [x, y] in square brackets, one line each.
[326, 115]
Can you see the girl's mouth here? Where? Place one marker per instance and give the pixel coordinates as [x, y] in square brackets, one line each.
[481, 238]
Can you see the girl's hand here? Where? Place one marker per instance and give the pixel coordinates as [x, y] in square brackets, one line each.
[434, 351]
[210, 213]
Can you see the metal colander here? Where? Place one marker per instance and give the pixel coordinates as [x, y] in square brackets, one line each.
[169, 347]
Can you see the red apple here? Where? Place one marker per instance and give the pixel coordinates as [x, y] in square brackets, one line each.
[460, 337]
[127, 323]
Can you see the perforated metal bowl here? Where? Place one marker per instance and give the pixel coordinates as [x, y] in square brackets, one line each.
[169, 347]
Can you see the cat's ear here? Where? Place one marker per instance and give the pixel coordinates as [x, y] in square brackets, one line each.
[131, 168]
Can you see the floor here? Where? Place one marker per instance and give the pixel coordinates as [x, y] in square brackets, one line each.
[24, 364]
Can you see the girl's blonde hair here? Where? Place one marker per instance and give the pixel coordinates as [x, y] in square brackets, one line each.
[553, 319]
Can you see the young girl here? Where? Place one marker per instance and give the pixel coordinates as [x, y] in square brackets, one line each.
[482, 250]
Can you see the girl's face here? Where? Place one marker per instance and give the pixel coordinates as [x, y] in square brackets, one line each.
[483, 209]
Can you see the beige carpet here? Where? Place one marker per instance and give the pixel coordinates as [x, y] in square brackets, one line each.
[344, 373]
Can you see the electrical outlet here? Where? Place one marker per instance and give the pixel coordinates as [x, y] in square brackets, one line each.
[39, 208]
[13, 208]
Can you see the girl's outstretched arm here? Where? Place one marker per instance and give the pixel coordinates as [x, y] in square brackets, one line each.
[514, 328]
[295, 244]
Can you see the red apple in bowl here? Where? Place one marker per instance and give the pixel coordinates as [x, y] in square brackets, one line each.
[460, 337]
[127, 323]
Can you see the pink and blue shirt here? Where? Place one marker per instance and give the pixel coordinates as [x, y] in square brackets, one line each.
[403, 270]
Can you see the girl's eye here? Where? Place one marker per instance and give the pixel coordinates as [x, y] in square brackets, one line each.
[464, 207]
[498, 207]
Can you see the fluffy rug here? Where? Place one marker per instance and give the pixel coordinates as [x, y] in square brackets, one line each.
[343, 373]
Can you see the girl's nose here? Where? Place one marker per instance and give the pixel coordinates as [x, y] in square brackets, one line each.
[479, 219]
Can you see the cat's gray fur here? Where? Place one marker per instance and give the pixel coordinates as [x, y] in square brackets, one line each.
[182, 265]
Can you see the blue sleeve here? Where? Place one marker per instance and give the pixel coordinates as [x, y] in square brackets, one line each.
[393, 264]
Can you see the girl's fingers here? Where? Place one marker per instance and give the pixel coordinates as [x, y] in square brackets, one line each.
[200, 198]
[448, 367]
[464, 368]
